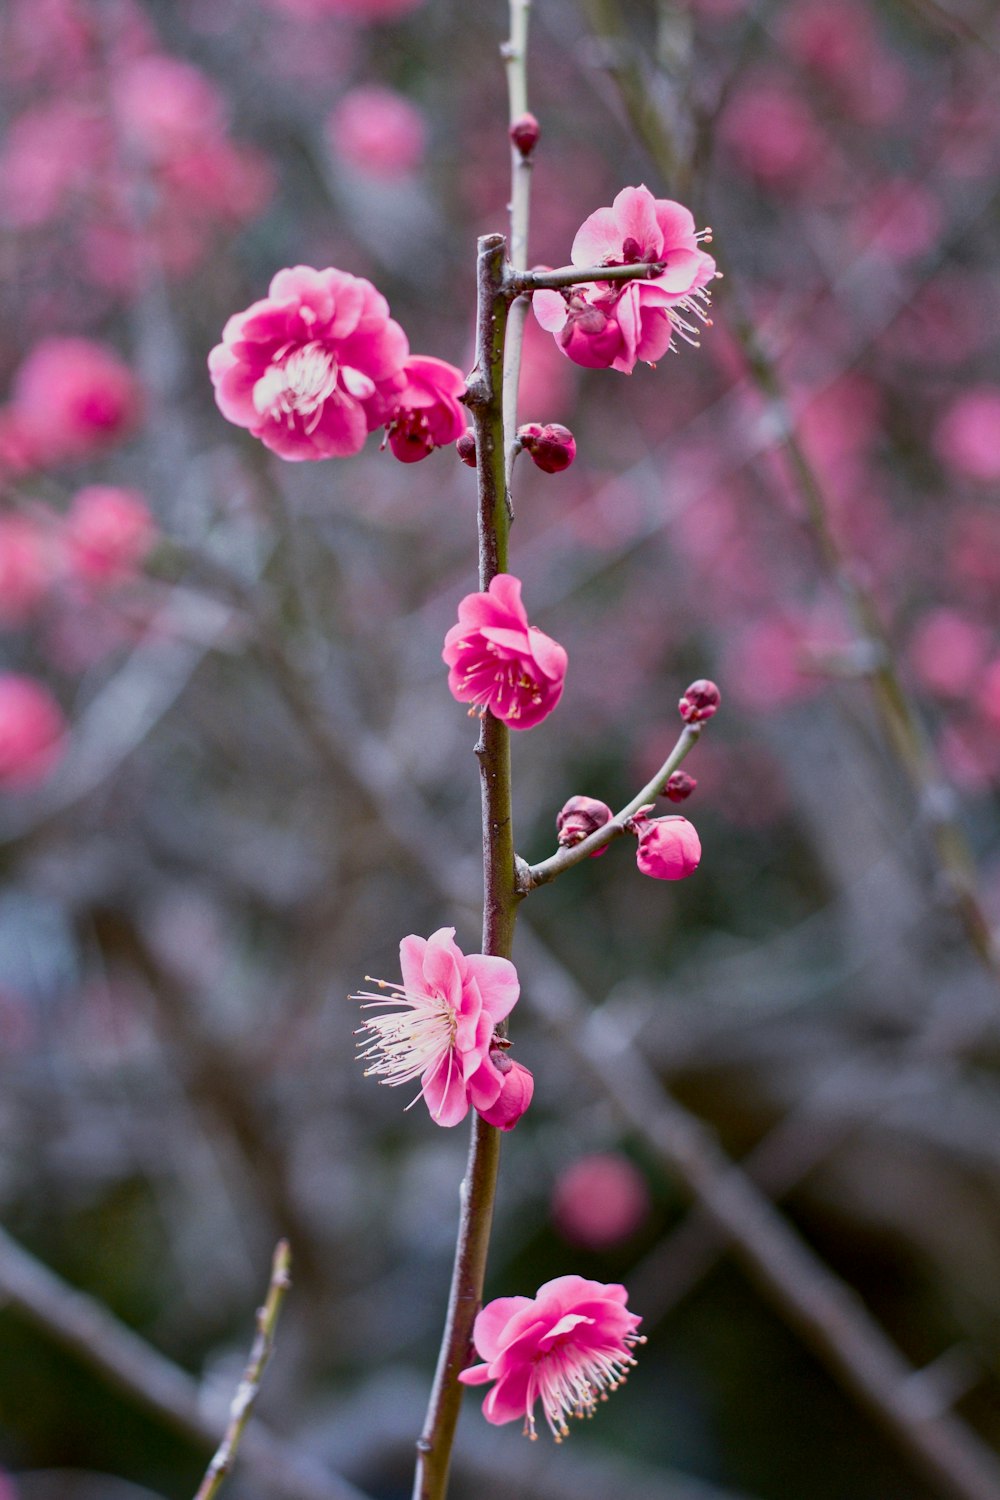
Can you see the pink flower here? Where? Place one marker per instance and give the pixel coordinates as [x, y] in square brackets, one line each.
[166, 106]
[32, 731]
[426, 413]
[378, 132]
[617, 324]
[26, 568]
[443, 1035]
[517, 1087]
[500, 662]
[669, 848]
[968, 435]
[74, 397]
[109, 531]
[566, 1347]
[313, 367]
[600, 1200]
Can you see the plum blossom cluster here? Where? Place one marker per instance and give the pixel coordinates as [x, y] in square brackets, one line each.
[439, 1026]
[617, 324]
[318, 364]
[566, 1347]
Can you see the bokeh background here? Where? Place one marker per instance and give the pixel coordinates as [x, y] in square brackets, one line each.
[233, 777]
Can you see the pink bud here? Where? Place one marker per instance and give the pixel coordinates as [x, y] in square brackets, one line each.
[579, 818]
[524, 133]
[466, 448]
[552, 448]
[515, 1092]
[700, 701]
[32, 731]
[600, 1200]
[669, 848]
[679, 786]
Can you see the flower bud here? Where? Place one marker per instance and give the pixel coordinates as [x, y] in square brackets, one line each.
[679, 786]
[581, 817]
[669, 848]
[552, 448]
[700, 701]
[515, 1093]
[466, 448]
[524, 133]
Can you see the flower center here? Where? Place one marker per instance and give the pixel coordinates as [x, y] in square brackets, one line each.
[500, 683]
[569, 1381]
[405, 1044]
[300, 379]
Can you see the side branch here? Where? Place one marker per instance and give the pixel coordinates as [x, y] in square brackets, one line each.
[535, 281]
[530, 876]
[249, 1387]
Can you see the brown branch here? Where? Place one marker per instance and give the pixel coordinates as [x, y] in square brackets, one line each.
[536, 281]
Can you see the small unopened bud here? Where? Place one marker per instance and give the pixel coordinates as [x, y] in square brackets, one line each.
[524, 133]
[466, 448]
[581, 817]
[679, 786]
[552, 447]
[700, 701]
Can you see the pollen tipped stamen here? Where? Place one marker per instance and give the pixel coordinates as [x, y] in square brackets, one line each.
[404, 1043]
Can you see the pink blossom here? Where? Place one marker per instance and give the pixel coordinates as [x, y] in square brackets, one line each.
[74, 397]
[166, 106]
[517, 1087]
[500, 662]
[32, 731]
[968, 435]
[948, 652]
[600, 1200]
[26, 568]
[313, 367]
[679, 786]
[578, 818]
[426, 413]
[552, 447]
[451, 1004]
[109, 531]
[669, 848]
[700, 701]
[772, 134]
[378, 132]
[567, 1347]
[617, 324]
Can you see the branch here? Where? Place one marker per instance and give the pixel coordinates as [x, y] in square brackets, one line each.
[84, 1326]
[515, 56]
[535, 281]
[530, 876]
[249, 1387]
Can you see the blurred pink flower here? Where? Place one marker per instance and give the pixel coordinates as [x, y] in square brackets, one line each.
[26, 568]
[566, 1347]
[500, 662]
[426, 413]
[772, 134]
[669, 848]
[354, 10]
[607, 324]
[108, 533]
[967, 437]
[50, 154]
[452, 1003]
[948, 652]
[600, 1200]
[166, 106]
[74, 397]
[32, 731]
[378, 132]
[312, 368]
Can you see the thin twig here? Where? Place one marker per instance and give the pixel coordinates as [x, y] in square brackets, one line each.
[248, 1389]
[515, 56]
[536, 281]
[530, 876]
[143, 1375]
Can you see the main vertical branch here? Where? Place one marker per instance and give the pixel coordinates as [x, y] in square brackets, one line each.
[515, 56]
[484, 397]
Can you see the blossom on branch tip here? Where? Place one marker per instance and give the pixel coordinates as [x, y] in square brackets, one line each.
[524, 133]
[438, 1027]
[313, 367]
[616, 324]
[579, 818]
[499, 662]
[552, 447]
[669, 848]
[700, 701]
[426, 413]
[567, 1347]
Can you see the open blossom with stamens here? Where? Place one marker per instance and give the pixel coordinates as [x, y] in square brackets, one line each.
[500, 662]
[607, 323]
[426, 413]
[567, 1347]
[313, 367]
[438, 1026]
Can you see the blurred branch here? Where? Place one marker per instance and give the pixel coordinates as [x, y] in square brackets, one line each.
[83, 1326]
[536, 281]
[246, 1394]
[515, 56]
